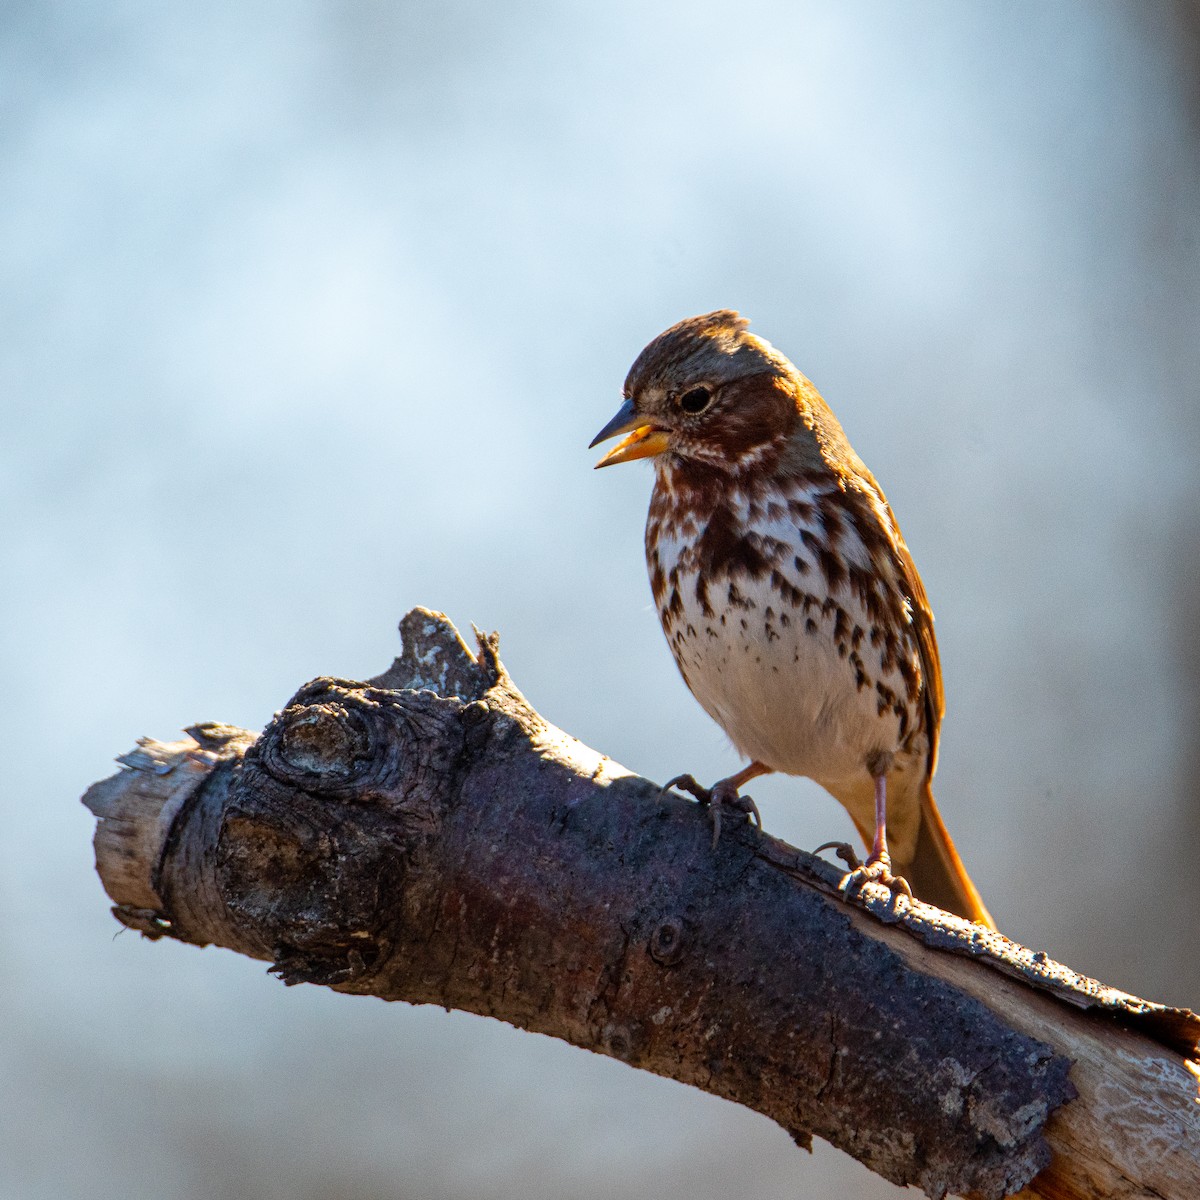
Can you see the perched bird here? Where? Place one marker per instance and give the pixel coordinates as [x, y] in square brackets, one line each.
[787, 595]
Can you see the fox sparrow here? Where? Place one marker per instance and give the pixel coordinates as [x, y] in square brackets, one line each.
[789, 599]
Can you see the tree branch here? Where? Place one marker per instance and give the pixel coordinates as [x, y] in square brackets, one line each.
[428, 837]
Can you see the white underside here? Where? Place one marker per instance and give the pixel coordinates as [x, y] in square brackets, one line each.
[786, 698]
[789, 703]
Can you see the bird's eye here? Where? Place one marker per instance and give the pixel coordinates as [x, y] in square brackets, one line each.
[695, 401]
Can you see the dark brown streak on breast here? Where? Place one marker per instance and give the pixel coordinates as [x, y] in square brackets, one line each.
[724, 550]
[698, 490]
[827, 558]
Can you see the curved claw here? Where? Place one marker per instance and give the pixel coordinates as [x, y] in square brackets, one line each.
[687, 783]
[844, 851]
[723, 794]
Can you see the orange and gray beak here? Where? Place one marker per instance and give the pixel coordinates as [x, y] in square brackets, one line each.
[644, 440]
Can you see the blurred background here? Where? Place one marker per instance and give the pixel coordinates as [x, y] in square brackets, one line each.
[309, 313]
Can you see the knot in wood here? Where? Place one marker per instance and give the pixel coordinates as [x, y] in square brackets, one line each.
[667, 941]
[321, 740]
[475, 725]
[309, 883]
[621, 1041]
[336, 739]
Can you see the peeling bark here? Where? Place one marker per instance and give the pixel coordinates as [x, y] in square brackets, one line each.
[427, 837]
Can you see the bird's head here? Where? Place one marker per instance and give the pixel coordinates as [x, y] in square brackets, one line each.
[705, 390]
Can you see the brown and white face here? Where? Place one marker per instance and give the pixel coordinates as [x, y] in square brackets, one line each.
[705, 391]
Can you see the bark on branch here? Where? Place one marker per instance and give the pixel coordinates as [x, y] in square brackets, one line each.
[426, 836]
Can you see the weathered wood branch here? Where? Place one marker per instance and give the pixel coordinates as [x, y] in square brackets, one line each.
[428, 837]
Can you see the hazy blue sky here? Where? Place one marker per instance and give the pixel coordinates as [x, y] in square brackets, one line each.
[309, 313]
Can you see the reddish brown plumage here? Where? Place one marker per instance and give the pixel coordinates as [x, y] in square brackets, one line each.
[787, 595]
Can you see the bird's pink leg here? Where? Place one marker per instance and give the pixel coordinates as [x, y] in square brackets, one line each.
[879, 850]
[878, 867]
[723, 794]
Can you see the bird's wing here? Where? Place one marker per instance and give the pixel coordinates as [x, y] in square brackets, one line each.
[922, 619]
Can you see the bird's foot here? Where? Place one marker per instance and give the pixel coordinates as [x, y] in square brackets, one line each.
[723, 794]
[844, 851]
[877, 869]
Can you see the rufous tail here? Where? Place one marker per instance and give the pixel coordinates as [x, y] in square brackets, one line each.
[936, 873]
